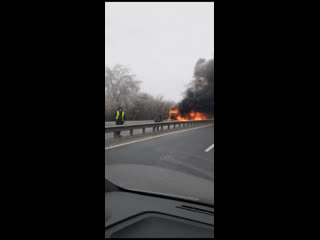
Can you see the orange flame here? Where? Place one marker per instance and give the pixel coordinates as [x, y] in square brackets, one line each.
[174, 115]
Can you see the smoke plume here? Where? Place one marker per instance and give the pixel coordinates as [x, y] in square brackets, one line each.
[200, 95]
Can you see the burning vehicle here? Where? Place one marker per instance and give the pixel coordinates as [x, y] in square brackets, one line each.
[174, 115]
[198, 102]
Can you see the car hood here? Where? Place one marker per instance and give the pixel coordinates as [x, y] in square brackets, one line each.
[159, 180]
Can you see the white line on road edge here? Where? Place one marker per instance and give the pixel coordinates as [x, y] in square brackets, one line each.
[144, 139]
[209, 148]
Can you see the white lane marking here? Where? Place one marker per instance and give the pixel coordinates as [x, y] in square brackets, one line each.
[209, 148]
[144, 139]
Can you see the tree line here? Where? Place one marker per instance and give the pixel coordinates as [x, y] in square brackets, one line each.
[123, 89]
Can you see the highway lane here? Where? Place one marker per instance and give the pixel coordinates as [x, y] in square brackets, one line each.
[180, 151]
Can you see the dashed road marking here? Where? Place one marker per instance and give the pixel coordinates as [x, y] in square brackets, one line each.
[209, 148]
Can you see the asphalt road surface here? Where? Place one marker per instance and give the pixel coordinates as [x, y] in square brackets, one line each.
[189, 152]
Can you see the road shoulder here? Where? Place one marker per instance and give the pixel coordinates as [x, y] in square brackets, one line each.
[111, 143]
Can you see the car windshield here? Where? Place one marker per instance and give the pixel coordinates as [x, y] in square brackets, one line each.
[159, 98]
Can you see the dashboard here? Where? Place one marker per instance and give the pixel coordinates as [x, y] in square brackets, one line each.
[135, 215]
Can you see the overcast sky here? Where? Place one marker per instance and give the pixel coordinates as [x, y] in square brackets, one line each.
[160, 42]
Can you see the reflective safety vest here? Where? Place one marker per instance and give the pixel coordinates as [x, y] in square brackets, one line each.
[118, 113]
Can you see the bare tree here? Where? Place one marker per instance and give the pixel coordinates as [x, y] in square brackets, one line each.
[120, 84]
[122, 89]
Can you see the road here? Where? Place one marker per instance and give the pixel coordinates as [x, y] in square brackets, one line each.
[189, 151]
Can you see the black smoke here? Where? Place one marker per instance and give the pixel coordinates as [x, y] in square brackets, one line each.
[200, 95]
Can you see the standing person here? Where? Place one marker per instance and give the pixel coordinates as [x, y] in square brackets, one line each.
[158, 119]
[120, 119]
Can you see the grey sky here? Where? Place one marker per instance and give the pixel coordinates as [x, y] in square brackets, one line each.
[160, 42]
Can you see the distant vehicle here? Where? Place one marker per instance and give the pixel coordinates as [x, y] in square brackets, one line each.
[173, 116]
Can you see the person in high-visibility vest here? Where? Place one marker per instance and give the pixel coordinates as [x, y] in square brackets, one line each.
[120, 119]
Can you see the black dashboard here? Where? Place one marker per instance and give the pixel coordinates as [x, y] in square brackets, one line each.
[134, 215]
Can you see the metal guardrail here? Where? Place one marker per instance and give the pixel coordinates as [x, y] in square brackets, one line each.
[129, 122]
[154, 126]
